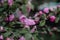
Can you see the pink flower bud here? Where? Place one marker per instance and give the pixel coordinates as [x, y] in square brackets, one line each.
[1, 37]
[37, 14]
[10, 18]
[37, 19]
[22, 38]
[54, 28]
[51, 9]
[9, 38]
[26, 26]
[33, 29]
[1, 28]
[46, 10]
[51, 33]
[40, 12]
[52, 18]
[10, 2]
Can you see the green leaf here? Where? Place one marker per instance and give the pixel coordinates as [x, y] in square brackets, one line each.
[53, 37]
[16, 34]
[32, 6]
[23, 31]
[57, 19]
[24, 1]
[7, 34]
[28, 36]
[24, 10]
[1, 9]
[35, 37]
[42, 23]
[43, 17]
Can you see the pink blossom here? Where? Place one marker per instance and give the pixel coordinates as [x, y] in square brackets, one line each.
[51, 9]
[26, 26]
[1, 37]
[10, 2]
[37, 19]
[36, 14]
[54, 28]
[26, 21]
[40, 12]
[22, 38]
[52, 18]
[29, 22]
[46, 10]
[18, 13]
[10, 18]
[1, 28]
[33, 29]
[22, 18]
[9, 38]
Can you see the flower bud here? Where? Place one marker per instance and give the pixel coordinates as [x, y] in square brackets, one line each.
[22, 38]
[46, 10]
[1, 37]
[10, 2]
[52, 18]
[1, 28]
[40, 12]
[10, 18]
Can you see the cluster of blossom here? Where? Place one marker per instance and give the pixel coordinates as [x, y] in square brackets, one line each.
[27, 22]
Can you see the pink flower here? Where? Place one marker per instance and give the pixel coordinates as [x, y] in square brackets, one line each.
[26, 21]
[37, 19]
[1, 28]
[40, 12]
[36, 15]
[52, 18]
[51, 9]
[10, 2]
[22, 38]
[29, 22]
[9, 38]
[1, 37]
[33, 29]
[10, 18]
[18, 13]
[54, 28]
[22, 18]
[46, 10]
[26, 26]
